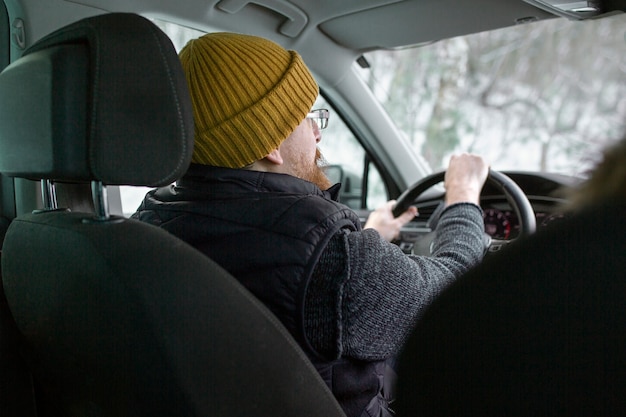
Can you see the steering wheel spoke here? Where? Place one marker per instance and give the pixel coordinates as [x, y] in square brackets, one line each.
[496, 245]
[416, 240]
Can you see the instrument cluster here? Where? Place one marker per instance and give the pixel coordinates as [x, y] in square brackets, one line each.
[503, 224]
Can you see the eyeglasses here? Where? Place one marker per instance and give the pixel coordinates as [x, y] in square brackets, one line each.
[320, 117]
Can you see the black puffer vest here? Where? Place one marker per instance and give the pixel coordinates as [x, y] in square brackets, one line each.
[269, 230]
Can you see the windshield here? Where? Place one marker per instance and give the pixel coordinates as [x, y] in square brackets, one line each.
[545, 96]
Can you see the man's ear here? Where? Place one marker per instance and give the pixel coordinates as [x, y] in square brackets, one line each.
[274, 157]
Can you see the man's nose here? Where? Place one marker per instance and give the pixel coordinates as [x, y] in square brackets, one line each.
[317, 132]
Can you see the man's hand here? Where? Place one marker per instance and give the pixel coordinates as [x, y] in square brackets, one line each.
[383, 222]
[465, 178]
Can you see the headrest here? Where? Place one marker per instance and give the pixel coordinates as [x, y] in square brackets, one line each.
[103, 99]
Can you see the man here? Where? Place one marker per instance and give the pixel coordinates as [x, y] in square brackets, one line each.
[256, 201]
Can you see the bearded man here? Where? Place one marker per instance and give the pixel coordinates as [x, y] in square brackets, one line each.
[256, 201]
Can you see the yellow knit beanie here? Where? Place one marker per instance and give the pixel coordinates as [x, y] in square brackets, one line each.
[248, 95]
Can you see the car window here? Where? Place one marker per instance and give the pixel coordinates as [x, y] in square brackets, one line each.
[544, 96]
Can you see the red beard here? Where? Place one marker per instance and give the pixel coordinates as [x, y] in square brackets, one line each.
[312, 171]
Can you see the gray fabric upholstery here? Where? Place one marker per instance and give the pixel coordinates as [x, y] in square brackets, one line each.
[90, 101]
[119, 327]
[17, 397]
[17, 392]
[118, 317]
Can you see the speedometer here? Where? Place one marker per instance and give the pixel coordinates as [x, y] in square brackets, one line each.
[497, 224]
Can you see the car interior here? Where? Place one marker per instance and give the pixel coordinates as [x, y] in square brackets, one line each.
[101, 315]
[133, 358]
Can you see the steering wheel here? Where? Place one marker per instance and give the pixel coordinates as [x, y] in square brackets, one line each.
[515, 196]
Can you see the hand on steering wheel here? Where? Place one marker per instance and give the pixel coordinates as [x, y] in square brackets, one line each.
[514, 195]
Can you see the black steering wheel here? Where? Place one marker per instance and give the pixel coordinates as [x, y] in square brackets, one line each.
[420, 244]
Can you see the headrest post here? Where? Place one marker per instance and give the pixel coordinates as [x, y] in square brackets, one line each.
[48, 194]
[100, 201]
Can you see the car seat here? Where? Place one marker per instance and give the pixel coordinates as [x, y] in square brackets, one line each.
[17, 391]
[116, 317]
[536, 330]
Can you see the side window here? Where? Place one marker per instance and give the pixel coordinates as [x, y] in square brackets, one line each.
[130, 198]
[348, 163]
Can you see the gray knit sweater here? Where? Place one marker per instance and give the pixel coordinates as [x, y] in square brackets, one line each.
[366, 294]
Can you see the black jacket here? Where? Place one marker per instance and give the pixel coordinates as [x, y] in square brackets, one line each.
[269, 231]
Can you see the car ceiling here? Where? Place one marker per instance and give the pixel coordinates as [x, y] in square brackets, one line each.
[359, 25]
[338, 31]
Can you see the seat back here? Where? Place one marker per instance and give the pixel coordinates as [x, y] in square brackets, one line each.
[17, 392]
[537, 330]
[117, 317]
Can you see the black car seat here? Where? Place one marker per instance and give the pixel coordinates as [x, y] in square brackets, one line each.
[17, 391]
[116, 317]
[536, 330]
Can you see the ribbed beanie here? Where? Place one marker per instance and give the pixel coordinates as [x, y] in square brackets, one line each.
[248, 95]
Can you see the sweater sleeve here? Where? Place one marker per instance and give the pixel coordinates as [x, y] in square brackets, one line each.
[366, 294]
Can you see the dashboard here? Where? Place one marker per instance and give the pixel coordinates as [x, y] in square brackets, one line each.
[544, 191]
[501, 221]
